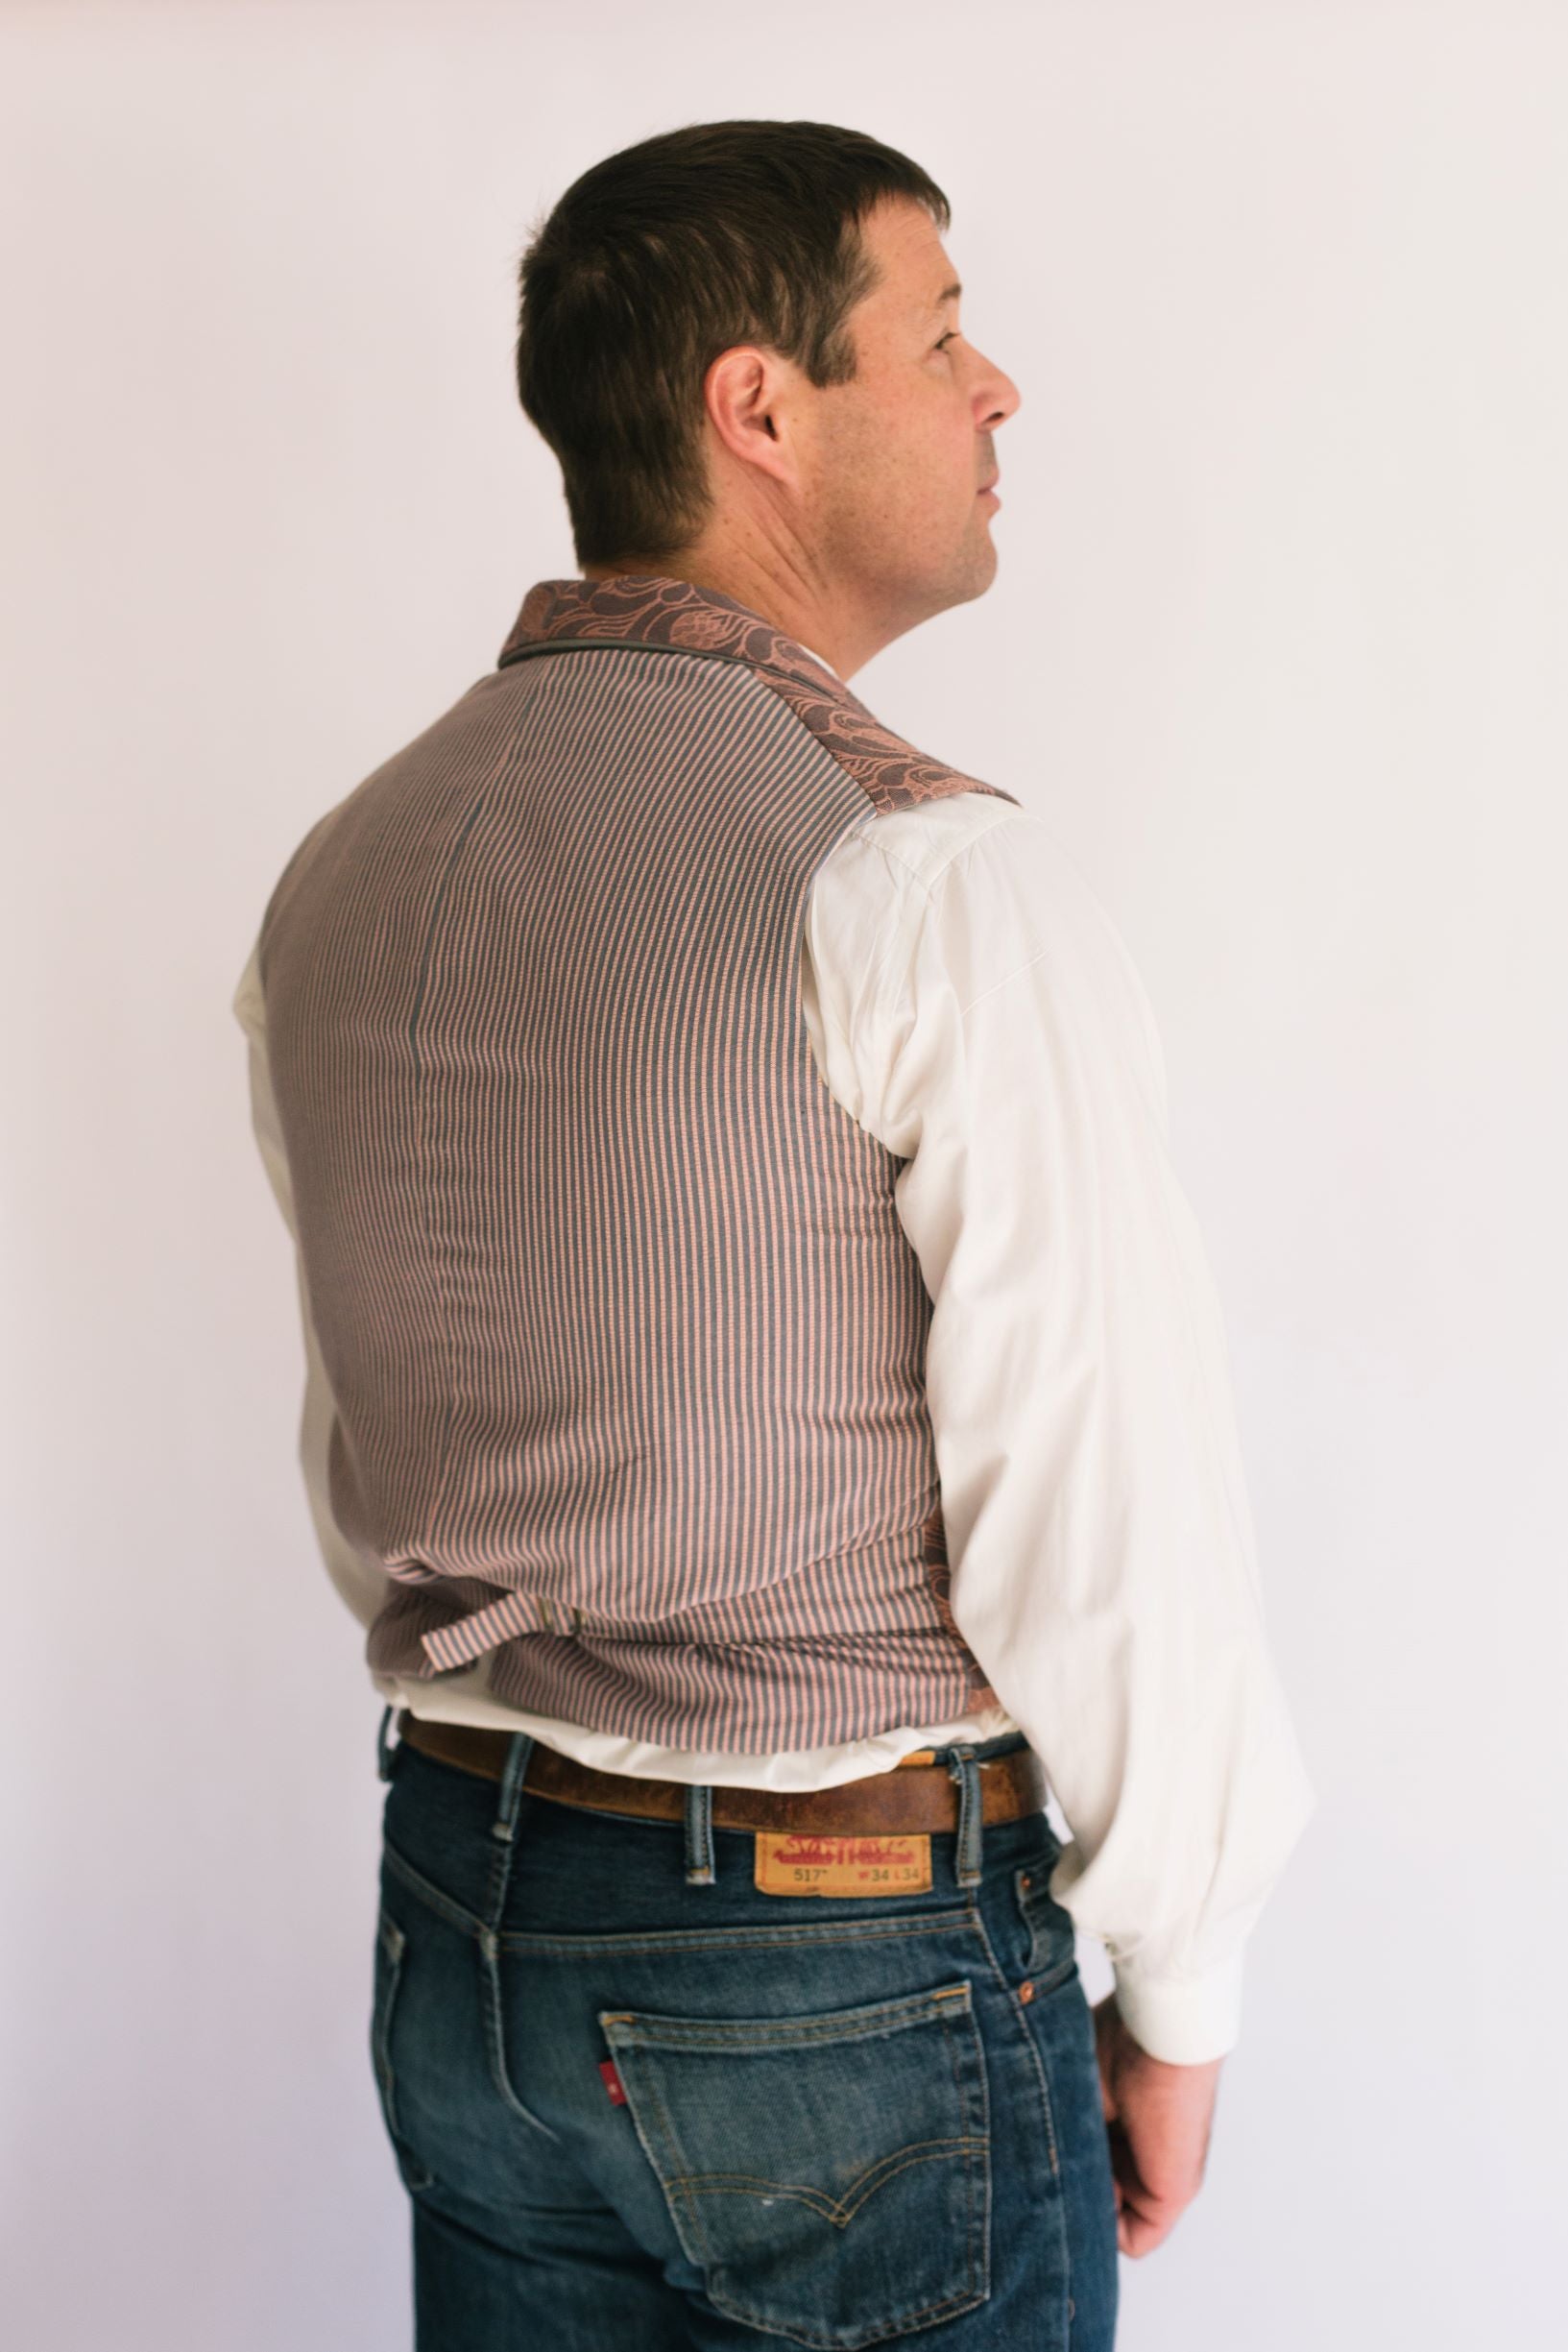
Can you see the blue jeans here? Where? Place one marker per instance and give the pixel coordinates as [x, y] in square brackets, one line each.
[634, 2111]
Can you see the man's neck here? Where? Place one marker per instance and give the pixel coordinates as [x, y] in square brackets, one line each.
[795, 606]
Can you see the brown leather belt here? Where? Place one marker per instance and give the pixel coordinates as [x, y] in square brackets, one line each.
[914, 1795]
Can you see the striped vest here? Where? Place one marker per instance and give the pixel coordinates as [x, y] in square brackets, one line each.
[625, 1338]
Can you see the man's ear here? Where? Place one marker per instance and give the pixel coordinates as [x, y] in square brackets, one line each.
[747, 394]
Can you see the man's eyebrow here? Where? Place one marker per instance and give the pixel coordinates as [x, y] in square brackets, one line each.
[949, 294]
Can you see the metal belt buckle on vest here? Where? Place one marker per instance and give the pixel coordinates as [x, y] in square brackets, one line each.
[798, 1862]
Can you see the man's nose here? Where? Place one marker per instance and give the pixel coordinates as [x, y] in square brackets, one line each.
[996, 395]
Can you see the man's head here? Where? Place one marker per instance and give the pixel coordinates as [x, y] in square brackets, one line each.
[743, 342]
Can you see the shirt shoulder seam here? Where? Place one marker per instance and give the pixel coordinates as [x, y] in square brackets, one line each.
[925, 876]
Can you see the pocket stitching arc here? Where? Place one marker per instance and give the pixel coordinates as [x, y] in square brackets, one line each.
[838, 2210]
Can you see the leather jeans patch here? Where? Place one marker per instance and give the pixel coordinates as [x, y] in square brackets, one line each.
[794, 1862]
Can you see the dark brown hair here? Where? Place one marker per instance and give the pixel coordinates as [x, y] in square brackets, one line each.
[656, 259]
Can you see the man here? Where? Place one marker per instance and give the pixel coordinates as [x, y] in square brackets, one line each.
[765, 1396]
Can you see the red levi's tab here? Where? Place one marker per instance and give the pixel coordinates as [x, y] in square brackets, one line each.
[612, 2082]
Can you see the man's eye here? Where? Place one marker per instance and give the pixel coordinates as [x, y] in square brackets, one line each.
[946, 338]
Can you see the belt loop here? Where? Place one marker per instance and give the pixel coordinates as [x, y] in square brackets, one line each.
[511, 1797]
[963, 1768]
[501, 1829]
[386, 1759]
[700, 1867]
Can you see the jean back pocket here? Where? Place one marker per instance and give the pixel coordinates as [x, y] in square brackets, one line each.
[829, 2174]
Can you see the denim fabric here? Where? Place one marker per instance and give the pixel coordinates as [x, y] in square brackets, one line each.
[634, 2111]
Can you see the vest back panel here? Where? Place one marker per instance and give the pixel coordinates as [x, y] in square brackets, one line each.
[625, 1336]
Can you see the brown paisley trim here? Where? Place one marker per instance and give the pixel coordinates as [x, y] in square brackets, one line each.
[634, 608]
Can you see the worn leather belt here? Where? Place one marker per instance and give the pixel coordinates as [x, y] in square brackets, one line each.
[916, 1794]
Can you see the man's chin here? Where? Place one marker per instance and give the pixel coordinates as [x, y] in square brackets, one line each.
[980, 567]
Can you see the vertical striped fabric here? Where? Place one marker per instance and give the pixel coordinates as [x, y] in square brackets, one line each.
[624, 1335]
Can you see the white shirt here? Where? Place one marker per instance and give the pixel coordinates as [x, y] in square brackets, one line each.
[970, 1002]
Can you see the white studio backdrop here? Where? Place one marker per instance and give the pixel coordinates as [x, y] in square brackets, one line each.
[1276, 643]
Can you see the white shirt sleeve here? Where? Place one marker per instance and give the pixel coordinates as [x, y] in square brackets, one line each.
[999, 1039]
[361, 1583]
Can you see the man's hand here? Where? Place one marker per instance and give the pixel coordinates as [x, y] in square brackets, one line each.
[1158, 2118]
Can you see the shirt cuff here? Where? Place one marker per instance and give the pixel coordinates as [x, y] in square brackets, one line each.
[1184, 2019]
